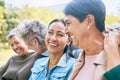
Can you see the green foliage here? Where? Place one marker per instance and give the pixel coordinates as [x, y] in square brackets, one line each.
[2, 3]
[45, 14]
[10, 17]
[8, 21]
[111, 19]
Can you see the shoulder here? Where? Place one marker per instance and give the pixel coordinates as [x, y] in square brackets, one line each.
[68, 61]
[41, 60]
[41, 55]
[39, 64]
[14, 57]
[26, 57]
[71, 60]
[30, 54]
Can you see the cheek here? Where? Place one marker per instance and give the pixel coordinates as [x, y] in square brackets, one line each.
[23, 46]
[64, 42]
[72, 28]
[46, 39]
[30, 47]
[12, 48]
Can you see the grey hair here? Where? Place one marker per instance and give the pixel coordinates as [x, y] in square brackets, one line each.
[32, 28]
[11, 34]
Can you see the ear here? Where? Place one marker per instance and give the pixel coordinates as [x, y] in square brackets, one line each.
[35, 42]
[90, 21]
[90, 18]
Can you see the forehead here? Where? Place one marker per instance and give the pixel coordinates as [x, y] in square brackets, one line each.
[15, 38]
[57, 26]
[70, 18]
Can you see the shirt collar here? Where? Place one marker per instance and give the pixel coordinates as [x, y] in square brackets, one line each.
[45, 62]
[46, 53]
[61, 62]
[100, 60]
[81, 56]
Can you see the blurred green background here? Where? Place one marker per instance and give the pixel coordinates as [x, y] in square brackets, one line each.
[5, 54]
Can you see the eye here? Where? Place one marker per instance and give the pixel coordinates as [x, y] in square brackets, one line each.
[60, 34]
[16, 43]
[50, 32]
[68, 24]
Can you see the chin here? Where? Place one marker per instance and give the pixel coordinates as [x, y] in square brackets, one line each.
[52, 51]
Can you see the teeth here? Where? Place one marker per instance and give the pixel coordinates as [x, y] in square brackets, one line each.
[53, 44]
[18, 51]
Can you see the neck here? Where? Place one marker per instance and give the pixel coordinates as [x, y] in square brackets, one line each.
[95, 44]
[54, 58]
[94, 50]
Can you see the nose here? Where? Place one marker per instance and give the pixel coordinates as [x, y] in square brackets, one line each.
[53, 37]
[66, 30]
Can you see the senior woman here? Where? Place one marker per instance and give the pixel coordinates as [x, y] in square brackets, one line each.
[86, 21]
[33, 33]
[58, 66]
[18, 66]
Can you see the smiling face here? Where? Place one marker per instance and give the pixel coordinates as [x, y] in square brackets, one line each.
[56, 38]
[18, 45]
[77, 29]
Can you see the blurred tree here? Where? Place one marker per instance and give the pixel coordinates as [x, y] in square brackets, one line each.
[2, 11]
[45, 14]
[118, 12]
[2, 3]
[11, 16]
[111, 19]
[8, 20]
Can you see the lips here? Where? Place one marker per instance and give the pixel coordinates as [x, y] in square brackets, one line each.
[18, 51]
[53, 44]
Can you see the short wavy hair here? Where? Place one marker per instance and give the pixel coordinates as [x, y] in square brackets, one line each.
[81, 8]
[28, 29]
[12, 33]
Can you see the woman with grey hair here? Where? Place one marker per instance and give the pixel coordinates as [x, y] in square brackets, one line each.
[33, 32]
[18, 66]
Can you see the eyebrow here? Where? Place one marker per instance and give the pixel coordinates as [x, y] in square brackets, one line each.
[58, 31]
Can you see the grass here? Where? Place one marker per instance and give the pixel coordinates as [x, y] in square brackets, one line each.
[5, 54]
